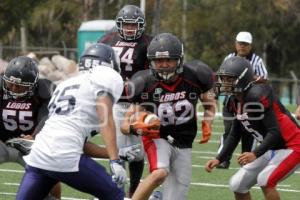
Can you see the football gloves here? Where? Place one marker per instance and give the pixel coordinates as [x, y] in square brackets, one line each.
[118, 172]
[206, 132]
[131, 153]
[139, 127]
[21, 144]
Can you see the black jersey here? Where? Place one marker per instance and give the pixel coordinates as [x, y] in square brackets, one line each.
[175, 104]
[262, 115]
[23, 116]
[133, 54]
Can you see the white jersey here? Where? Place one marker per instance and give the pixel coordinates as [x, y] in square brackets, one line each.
[72, 119]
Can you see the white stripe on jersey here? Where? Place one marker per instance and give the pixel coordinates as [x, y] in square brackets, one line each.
[257, 64]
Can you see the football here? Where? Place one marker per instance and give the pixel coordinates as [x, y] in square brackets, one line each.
[147, 118]
[150, 117]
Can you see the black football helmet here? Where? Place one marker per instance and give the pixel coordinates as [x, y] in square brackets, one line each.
[132, 15]
[165, 45]
[99, 54]
[235, 75]
[20, 77]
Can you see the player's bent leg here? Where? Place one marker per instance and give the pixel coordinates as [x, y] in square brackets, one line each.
[93, 179]
[242, 196]
[35, 184]
[246, 177]
[151, 182]
[9, 154]
[282, 163]
[176, 185]
[270, 193]
[175, 189]
[56, 191]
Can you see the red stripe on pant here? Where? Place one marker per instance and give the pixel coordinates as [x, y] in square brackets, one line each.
[151, 151]
[283, 169]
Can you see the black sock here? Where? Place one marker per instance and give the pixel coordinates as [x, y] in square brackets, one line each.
[135, 173]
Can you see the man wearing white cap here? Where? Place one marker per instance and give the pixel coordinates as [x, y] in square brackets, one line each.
[243, 48]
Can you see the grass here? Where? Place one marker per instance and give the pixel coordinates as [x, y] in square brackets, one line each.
[206, 186]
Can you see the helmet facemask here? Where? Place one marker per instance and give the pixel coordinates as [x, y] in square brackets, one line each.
[130, 34]
[167, 74]
[229, 84]
[16, 89]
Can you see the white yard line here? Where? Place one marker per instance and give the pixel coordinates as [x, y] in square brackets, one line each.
[280, 187]
[230, 168]
[258, 188]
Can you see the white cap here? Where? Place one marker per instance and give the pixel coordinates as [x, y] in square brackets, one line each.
[244, 37]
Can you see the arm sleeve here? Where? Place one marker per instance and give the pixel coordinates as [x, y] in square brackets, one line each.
[273, 139]
[231, 142]
[136, 85]
[45, 90]
[42, 117]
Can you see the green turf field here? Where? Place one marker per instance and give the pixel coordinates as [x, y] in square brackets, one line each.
[204, 186]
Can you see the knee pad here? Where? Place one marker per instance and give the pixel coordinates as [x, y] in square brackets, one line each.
[238, 182]
[264, 181]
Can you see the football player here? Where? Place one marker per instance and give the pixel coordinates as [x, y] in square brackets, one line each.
[243, 48]
[171, 90]
[24, 99]
[80, 107]
[130, 42]
[260, 113]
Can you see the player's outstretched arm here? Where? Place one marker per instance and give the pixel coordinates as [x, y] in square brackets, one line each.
[95, 150]
[108, 131]
[107, 125]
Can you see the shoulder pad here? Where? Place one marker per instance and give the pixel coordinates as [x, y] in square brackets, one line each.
[108, 80]
[146, 38]
[45, 88]
[138, 82]
[107, 37]
[260, 93]
[203, 74]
